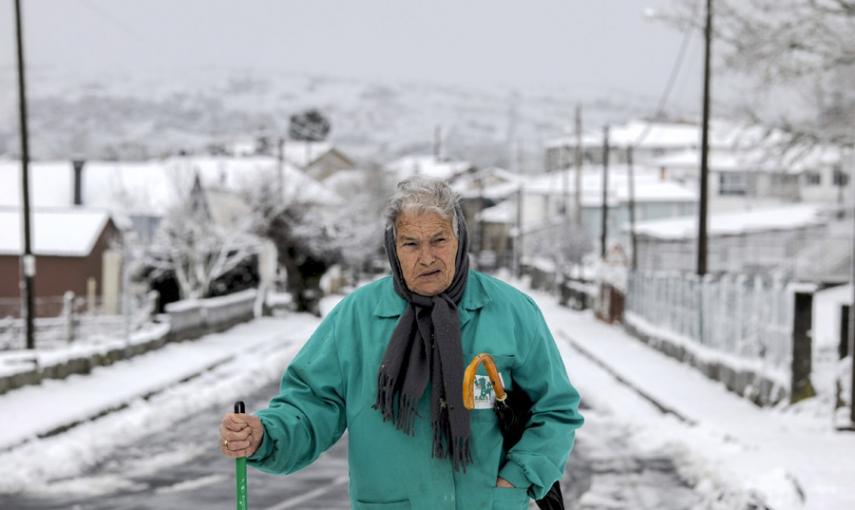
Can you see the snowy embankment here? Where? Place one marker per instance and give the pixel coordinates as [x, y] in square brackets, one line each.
[17, 362]
[153, 393]
[729, 449]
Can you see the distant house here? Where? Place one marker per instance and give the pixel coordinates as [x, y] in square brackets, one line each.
[74, 252]
[540, 214]
[830, 320]
[749, 165]
[764, 175]
[318, 160]
[480, 189]
[147, 189]
[427, 166]
[650, 140]
[138, 194]
[543, 204]
[757, 241]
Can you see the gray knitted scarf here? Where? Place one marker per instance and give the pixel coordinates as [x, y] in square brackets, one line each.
[425, 346]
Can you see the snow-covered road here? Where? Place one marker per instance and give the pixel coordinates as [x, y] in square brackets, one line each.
[161, 452]
[605, 472]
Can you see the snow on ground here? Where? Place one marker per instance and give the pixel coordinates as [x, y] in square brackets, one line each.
[790, 455]
[731, 452]
[266, 345]
[17, 361]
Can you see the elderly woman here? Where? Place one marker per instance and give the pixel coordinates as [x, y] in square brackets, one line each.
[388, 362]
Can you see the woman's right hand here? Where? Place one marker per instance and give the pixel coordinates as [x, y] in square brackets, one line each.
[240, 435]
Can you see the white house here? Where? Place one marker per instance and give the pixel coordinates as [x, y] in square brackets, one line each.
[749, 165]
[650, 140]
[138, 194]
[540, 214]
[425, 165]
[757, 241]
[766, 174]
[828, 317]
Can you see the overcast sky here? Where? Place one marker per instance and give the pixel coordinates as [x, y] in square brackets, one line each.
[583, 45]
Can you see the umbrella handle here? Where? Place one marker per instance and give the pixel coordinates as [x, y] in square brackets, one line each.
[469, 379]
[240, 469]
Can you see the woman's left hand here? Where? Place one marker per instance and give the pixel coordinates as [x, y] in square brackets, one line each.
[501, 482]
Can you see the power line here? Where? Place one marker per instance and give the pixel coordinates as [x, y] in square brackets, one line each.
[672, 78]
[117, 23]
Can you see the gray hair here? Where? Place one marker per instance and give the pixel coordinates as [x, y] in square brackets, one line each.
[422, 195]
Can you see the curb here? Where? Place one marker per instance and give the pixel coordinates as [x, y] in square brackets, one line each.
[120, 406]
[662, 407]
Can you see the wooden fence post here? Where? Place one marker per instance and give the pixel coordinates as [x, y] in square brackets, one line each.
[68, 315]
[800, 386]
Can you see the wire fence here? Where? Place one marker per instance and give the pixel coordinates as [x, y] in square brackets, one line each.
[60, 321]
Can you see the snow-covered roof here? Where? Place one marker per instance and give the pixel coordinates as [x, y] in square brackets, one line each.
[503, 212]
[492, 183]
[738, 222]
[771, 158]
[839, 294]
[427, 166]
[67, 232]
[303, 154]
[344, 180]
[649, 187]
[665, 135]
[150, 187]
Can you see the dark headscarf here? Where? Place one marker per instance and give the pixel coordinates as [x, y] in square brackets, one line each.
[425, 346]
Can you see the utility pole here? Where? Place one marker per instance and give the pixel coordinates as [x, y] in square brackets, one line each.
[704, 177]
[518, 239]
[280, 167]
[564, 168]
[631, 183]
[605, 204]
[437, 143]
[852, 306]
[579, 166]
[28, 261]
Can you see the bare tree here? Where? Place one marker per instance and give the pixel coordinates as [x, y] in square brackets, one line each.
[802, 49]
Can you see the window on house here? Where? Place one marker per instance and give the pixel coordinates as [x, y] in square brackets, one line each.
[840, 178]
[730, 183]
[813, 178]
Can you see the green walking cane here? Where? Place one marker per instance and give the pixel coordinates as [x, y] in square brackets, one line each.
[240, 468]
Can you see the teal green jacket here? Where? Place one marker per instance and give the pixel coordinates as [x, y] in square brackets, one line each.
[331, 386]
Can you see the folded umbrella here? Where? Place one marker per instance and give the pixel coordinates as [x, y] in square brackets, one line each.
[513, 410]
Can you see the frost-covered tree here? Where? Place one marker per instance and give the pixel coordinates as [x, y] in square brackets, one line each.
[301, 238]
[803, 49]
[196, 249]
[311, 236]
[309, 126]
[357, 226]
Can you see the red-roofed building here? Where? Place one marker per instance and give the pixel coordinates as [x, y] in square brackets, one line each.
[72, 247]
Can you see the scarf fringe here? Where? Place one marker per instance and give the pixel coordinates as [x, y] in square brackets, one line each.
[386, 402]
[458, 449]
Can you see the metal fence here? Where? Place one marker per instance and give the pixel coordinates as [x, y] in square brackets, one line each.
[747, 317]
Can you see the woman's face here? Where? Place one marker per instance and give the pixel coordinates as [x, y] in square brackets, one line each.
[426, 249]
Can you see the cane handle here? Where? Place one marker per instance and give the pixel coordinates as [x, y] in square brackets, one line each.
[469, 379]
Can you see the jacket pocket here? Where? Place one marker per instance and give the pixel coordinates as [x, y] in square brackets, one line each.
[504, 363]
[403, 504]
[509, 499]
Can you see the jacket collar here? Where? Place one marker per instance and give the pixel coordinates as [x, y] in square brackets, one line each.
[475, 297]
